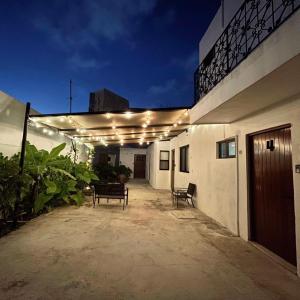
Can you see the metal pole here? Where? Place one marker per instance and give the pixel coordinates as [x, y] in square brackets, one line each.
[70, 96]
[24, 138]
[21, 165]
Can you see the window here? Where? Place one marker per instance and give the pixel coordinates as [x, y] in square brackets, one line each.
[184, 159]
[226, 149]
[164, 160]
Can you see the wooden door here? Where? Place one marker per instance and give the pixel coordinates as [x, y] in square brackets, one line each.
[139, 166]
[172, 169]
[272, 194]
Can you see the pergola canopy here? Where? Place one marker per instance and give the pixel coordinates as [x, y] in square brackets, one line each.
[134, 126]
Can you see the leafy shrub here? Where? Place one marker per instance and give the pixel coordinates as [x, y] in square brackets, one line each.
[123, 170]
[108, 173]
[11, 182]
[49, 179]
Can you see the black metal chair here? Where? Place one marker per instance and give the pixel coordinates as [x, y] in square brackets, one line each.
[110, 191]
[184, 194]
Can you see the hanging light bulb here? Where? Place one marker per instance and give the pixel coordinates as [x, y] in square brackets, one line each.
[128, 114]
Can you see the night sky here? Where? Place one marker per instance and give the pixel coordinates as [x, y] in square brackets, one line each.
[144, 50]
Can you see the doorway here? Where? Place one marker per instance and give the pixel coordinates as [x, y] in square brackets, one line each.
[172, 169]
[139, 166]
[272, 215]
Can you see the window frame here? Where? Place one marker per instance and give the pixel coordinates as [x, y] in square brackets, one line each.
[227, 143]
[164, 160]
[186, 168]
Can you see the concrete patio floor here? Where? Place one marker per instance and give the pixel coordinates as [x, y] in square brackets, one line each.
[144, 252]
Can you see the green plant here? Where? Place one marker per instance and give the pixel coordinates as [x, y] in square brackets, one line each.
[105, 172]
[14, 186]
[108, 173]
[123, 170]
[56, 177]
[48, 180]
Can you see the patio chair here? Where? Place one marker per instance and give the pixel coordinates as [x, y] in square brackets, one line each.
[184, 194]
[110, 191]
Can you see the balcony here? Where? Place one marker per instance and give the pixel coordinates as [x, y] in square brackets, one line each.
[255, 21]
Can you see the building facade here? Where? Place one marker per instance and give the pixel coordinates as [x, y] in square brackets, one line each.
[243, 147]
[105, 100]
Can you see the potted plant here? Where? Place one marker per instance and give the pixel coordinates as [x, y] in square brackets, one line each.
[123, 173]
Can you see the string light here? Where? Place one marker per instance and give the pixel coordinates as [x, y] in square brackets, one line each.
[128, 114]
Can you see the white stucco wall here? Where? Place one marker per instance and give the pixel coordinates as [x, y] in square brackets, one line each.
[127, 157]
[283, 113]
[159, 179]
[222, 184]
[11, 124]
[215, 178]
[284, 44]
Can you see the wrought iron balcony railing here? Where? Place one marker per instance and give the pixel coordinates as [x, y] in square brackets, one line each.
[250, 26]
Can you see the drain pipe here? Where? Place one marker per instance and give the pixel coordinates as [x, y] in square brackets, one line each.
[237, 186]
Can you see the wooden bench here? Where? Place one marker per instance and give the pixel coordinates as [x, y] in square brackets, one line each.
[110, 191]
